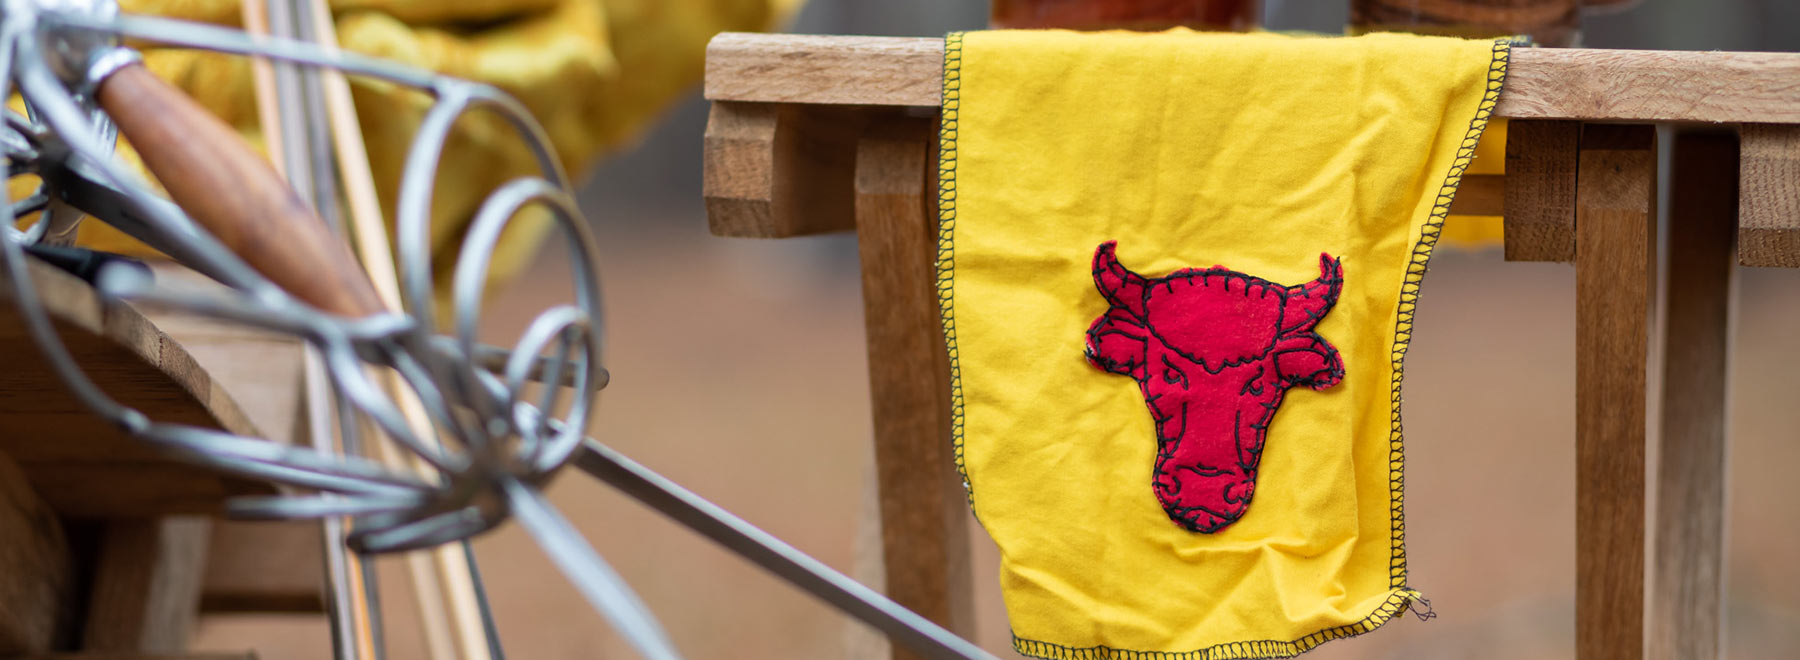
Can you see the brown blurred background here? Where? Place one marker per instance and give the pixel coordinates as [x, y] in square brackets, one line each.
[738, 370]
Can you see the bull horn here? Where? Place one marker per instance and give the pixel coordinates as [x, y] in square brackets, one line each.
[1307, 303]
[1121, 287]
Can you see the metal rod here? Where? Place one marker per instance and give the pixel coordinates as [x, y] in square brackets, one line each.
[788, 563]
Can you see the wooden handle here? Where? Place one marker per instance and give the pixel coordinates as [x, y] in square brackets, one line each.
[226, 187]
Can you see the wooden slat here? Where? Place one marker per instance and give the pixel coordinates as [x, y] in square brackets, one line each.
[83, 465]
[246, 655]
[1614, 273]
[146, 585]
[1542, 83]
[1540, 192]
[1688, 559]
[1769, 196]
[1480, 194]
[777, 171]
[924, 540]
[264, 567]
[37, 597]
[792, 68]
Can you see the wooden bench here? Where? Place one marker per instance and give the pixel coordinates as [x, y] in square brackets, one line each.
[815, 134]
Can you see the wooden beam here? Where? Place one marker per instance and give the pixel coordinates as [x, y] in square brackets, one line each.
[925, 546]
[1688, 558]
[146, 585]
[1542, 83]
[1614, 279]
[1480, 194]
[777, 171]
[264, 567]
[37, 593]
[1769, 195]
[1540, 193]
[246, 655]
[85, 466]
[793, 68]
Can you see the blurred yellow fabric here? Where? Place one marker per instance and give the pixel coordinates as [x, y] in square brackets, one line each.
[593, 72]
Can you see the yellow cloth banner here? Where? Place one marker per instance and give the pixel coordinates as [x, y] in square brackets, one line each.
[1240, 225]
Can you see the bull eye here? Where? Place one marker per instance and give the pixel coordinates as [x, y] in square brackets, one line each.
[1173, 374]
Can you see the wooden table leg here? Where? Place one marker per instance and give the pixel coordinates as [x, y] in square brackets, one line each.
[1690, 478]
[37, 592]
[923, 530]
[1614, 279]
[1770, 196]
[1540, 190]
[146, 584]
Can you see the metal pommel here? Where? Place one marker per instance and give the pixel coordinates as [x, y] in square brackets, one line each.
[74, 54]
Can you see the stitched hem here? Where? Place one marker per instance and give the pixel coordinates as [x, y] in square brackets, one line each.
[1400, 596]
[946, 257]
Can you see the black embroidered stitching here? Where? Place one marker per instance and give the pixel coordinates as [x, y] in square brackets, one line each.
[1402, 597]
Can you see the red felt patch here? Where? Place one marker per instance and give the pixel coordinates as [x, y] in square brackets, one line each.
[1213, 352]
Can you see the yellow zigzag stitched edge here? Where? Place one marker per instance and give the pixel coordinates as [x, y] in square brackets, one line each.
[1401, 597]
[946, 259]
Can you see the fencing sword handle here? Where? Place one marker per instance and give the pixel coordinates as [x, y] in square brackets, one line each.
[226, 187]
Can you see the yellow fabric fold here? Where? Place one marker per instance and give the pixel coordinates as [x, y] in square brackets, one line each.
[1256, 154]
[595, 73]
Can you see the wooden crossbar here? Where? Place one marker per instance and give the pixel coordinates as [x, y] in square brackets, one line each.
[1542, 83]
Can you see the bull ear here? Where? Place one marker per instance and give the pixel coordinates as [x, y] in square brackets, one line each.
[1308, 361]
[1121, 287]
[1117, 342]
[1307, 303]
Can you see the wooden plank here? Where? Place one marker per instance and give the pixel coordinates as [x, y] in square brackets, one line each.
[37, 592]
[1541, 159]
[146, 584]
[264, 567]
[246, 655]
[1480, 194]
[81, 464]
[776, 171]
[1688, 557]
[1651, 85]
[1614, 279]
[1541, 83]
[1769, 196]
[793, 68]
[924, 539]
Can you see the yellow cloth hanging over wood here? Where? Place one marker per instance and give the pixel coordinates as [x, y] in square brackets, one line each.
[1240, 225]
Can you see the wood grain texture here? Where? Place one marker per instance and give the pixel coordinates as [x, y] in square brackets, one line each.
[1769, 196]
[1480, 194]
[1614, 279]
[37, 582]
[229, 189]
[1547, 22]
[1688, 557]
[146, 584]
[246, 655]
[776, 171]
[1541, 83]
[1646, 86]
[84, 466]
[924, 540]
[824, 69]
[1541, 162]
[264, 567]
